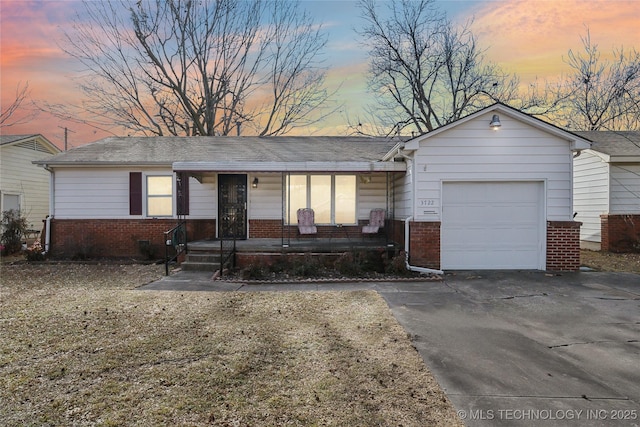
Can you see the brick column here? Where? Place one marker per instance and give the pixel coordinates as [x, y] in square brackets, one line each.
[424, 244]
[563, 245]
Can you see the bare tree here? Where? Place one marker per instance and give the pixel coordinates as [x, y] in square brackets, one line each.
[185, 67]
[16, 113]
[601, 94]
[425, 71]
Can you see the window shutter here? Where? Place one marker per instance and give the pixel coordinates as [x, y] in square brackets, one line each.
[183, 193]
[135, 193]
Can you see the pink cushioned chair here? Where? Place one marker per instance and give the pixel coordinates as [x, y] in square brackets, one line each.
[306, 221]
[376, 222]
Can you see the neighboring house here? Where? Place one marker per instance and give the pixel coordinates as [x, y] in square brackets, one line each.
[23, 185]
[607, 191]
[465, 196]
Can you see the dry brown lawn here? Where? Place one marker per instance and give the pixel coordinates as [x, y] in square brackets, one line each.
[80, 346]
[607, 261]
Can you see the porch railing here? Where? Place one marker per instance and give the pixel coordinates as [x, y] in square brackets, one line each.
[227, 253]
[176, 239]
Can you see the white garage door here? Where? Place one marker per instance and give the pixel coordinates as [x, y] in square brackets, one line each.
[492, 225]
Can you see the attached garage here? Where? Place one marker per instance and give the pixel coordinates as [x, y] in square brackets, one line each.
[477, 196]
[492, 225]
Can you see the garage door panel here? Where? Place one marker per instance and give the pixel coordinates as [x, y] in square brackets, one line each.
[492, 225]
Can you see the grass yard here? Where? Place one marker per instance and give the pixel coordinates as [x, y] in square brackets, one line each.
[80, 346]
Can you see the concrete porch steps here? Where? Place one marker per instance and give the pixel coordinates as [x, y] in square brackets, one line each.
[201, 259]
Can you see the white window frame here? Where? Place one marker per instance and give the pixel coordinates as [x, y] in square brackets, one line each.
[333, 197]
[147, 196]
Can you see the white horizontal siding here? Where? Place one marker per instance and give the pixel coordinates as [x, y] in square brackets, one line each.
[203, 199]
[265, 202]
[403, 197]
[20, 177]
[625, 188]
[371, 195]
[103, 193]
[474, 152]
[590, 193]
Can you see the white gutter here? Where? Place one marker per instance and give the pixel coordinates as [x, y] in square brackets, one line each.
[234, 166]
[421, 270]
[47, 234]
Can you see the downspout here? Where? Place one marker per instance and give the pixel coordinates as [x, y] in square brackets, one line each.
[421, 270]
[47, 235]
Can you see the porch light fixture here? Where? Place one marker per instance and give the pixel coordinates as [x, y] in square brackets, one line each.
[254, 184]
[495, 122]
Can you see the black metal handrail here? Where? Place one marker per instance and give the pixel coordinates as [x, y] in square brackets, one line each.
[227, 252]
[175, 238]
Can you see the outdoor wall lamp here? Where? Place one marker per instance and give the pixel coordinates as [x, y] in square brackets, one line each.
[495, 122]
[254, 184]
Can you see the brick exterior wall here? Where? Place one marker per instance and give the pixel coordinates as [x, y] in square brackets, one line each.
[117, 238]
[265, 228]
[620, 233]
[424, 244]
[272, 229]
[563, 245]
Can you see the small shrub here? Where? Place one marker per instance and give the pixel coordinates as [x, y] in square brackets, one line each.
[398, 264]
[347, 265]
[307, 267]
[254, 272]
[34, 252]
[14, 226]
[281, 265]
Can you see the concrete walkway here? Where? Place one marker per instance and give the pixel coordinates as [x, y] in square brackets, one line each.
[512, 348]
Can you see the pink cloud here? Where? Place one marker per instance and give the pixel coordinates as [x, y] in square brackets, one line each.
[531, 37]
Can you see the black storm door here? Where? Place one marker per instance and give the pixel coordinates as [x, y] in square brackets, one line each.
[232, 206]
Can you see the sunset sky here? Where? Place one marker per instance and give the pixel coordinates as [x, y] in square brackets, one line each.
[529, 38]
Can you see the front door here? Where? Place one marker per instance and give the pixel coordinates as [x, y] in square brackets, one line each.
[232, 206]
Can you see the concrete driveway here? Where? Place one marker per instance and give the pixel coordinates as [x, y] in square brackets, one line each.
[528, 348]
[513, 348]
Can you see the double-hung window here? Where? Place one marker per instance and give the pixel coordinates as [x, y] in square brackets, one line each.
[332, 197]
[159, 195]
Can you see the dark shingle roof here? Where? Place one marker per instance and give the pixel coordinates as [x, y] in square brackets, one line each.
[614, 143]
[166, 150]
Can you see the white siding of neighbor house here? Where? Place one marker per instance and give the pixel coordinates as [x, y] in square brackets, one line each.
[103, 193]
[31, 182]
[472, 151]
[625, 188]
[590, 193]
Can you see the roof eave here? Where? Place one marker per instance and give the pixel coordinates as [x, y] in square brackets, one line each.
[355, 166]
[97, 163]
[576, 142]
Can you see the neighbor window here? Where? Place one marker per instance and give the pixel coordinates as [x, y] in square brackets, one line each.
[332, 197]
[159, 195]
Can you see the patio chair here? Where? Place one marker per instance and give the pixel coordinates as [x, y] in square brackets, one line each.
[306, 221]
[376, 222]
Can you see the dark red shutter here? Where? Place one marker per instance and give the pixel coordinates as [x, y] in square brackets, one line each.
[135, 193]
[183, 193]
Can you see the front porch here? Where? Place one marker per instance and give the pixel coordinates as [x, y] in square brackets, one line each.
[213, 254]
